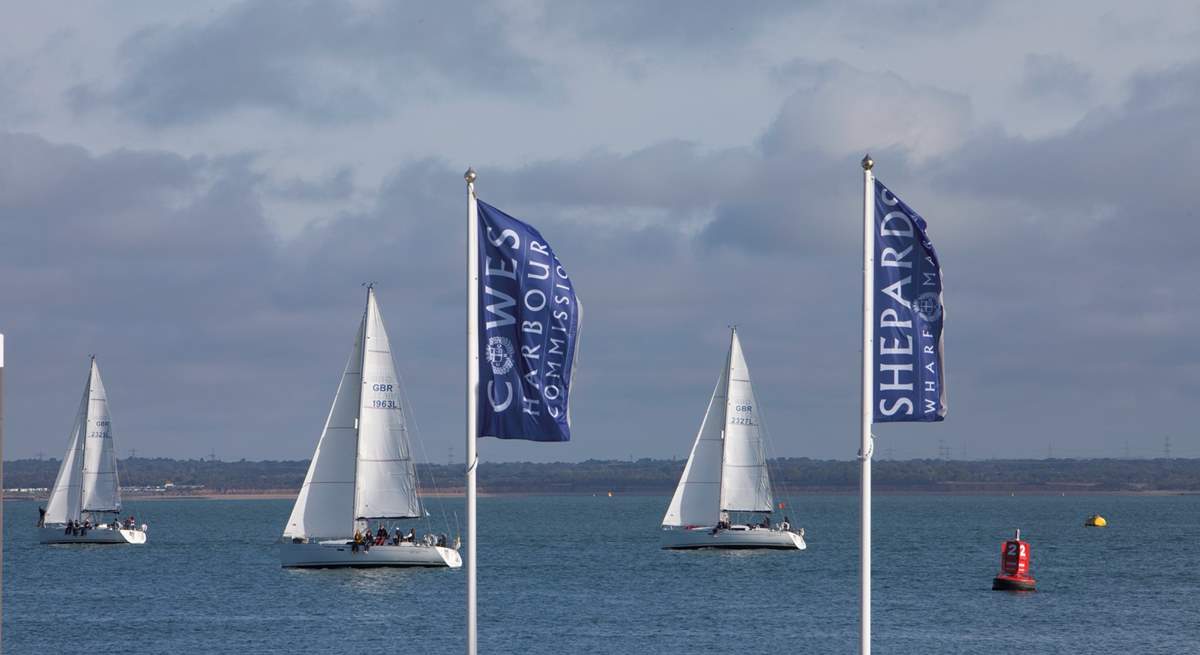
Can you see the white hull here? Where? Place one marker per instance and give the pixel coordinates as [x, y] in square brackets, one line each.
[333, 554]
[738, 537]
[101, 535]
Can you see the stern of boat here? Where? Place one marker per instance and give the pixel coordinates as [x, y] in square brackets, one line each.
[449, 556]
[101, 535]
[133, 536]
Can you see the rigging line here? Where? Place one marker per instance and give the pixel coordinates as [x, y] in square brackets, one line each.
[767, 447]
[411, 418]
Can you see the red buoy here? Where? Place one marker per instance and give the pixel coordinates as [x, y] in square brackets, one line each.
[1014, 567]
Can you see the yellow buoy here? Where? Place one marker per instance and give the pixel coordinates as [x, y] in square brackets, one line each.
[1095, 521]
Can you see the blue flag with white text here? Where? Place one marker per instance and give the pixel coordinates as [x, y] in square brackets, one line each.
[910, 381]
[528, 325]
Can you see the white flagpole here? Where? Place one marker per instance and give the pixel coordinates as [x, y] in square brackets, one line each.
[472, 395]
[866, 413]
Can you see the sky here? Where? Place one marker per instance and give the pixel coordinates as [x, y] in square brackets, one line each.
[195, 193]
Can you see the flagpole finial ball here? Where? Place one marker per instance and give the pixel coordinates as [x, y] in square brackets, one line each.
[469, 176]
[867, 162]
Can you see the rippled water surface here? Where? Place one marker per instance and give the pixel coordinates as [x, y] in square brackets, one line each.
[585, 575]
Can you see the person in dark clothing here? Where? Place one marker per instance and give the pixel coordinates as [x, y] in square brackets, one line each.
[70, 526]
[381, 535]
[41, 517]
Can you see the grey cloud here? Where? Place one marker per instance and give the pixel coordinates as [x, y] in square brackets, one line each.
[337, 185]
[675, 182]
[800, 182]
[698, 25]
[1068, 276]
[1055, 77]
[1081, 243]
[915, 16]
[1124, 157]
[714, 25]
[213, 334]
[837, 108]
[783, 193]
[1068, 286]
[321, 61]
[142, 258]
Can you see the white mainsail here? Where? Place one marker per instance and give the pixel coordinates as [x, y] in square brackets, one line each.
[101, 488]
[745, 484]
[355, 470]
[386, 478]
[66, 496]
[698, 495]
[727, 469]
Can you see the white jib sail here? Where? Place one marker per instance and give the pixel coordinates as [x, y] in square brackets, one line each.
[386, 479]
[745, 484]
[66, 495]
[101, 489]
[698, 496]
[323, 508]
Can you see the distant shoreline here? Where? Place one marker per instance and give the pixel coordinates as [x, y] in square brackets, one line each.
[168, 478]
[290, 495]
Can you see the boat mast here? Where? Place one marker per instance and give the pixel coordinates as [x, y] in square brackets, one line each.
[725, 423]
[362, 365]
[87, 411]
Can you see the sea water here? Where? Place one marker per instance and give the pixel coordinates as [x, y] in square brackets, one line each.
[584, 574]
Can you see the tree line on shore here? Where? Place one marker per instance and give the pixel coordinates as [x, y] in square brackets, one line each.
[789, 474]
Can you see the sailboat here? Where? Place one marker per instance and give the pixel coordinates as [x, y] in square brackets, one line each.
[86, 499]
[362, 470]
[727, 472]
